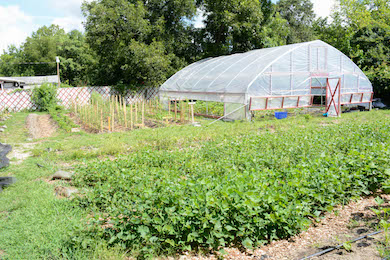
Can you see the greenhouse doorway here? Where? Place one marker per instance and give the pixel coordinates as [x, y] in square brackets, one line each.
[318, 91]
[333, 97]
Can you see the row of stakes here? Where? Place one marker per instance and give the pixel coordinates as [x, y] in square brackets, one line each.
[114, 113]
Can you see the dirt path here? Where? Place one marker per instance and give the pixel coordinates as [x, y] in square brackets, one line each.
[40, 126]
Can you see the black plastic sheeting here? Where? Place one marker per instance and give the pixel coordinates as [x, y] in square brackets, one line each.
[4, 162]
[4, 150]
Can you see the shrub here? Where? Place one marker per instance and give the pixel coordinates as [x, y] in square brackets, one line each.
[45, 96]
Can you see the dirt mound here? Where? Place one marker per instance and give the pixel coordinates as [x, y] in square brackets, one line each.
[40, 126]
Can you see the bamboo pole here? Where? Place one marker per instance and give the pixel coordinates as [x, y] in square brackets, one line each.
[136, 113]
[113, 119]
[117, 109]
[131, 116]
[143, 114]
[101, 121]
[109, 124]
[175, 109]
[169, 107]
[182, 112]
[192, 111]
[124, 112]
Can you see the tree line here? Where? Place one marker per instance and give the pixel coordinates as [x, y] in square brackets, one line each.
[135, 43]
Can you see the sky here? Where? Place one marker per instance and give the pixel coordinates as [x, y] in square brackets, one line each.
[19, 18]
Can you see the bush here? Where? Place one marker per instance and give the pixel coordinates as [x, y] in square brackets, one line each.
[44, 96]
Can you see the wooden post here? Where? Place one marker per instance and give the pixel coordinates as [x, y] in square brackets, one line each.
[136, 113]
[131, 116]
[192, 111]
[109, 124]
[113, 119]
[143, 114]
[101, 121]
[175, 109]
[182, 112]
[169, 107]
[124, 112]
[189, 110]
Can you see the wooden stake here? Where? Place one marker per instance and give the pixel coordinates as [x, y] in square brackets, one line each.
[182, 112]
[113, 119]
[192, 111]
[169, 107]
[136, 113]
[109, 124]
[131, 116]
[101, 121]
[175, 109]
[143, 114]
[124, 112]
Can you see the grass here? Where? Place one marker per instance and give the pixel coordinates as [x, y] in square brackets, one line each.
[37, 225]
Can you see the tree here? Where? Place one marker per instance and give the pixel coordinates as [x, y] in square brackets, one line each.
[42, 47]
[136, 41]
[239, 26]
[299, 15]
[361, 29]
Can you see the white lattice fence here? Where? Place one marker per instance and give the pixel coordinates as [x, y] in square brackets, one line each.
[16, 101]
[81, 96]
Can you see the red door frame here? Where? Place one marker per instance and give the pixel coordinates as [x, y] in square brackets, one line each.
[331, 95]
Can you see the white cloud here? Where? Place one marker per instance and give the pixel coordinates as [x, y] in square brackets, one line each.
[198, 20]
[15, 26]
[69, 23]
[323, 8]
[73, 18]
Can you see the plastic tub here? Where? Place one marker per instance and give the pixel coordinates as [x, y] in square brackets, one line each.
[281, 115]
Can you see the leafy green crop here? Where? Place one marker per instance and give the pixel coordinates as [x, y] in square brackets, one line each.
[64, 122]
[244, 191]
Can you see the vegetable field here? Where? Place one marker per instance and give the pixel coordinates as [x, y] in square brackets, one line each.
[244, 189]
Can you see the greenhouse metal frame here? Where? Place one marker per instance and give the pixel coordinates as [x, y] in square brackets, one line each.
[289, 76]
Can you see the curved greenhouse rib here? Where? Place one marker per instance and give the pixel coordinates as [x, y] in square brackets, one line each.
[223, 72]
[199, 68]
[349, 59]
[262, 56]
[223, 58]
[277, 59]
[177, 76]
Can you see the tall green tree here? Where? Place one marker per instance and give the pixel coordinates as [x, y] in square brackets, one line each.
[237, 26]
[137, 41]
[299, 15]
[361, 29]
[42, 47]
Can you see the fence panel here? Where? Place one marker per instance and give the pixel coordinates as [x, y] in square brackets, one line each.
[18, 100]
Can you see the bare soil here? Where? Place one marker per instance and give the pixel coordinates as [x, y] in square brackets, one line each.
[40, 126]
[21, 152]
[149, 123]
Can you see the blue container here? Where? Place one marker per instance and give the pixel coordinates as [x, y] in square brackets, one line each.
[281, 115]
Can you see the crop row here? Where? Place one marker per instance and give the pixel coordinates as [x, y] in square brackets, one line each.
[245, 191]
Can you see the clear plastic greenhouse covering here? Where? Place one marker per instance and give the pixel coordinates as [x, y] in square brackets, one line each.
[272, 78]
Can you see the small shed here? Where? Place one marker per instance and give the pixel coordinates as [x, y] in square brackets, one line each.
[26, 82]
[290, 76]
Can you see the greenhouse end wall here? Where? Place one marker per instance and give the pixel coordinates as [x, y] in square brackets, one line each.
[273, 78]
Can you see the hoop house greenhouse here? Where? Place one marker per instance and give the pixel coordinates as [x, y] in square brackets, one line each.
[290, 76]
